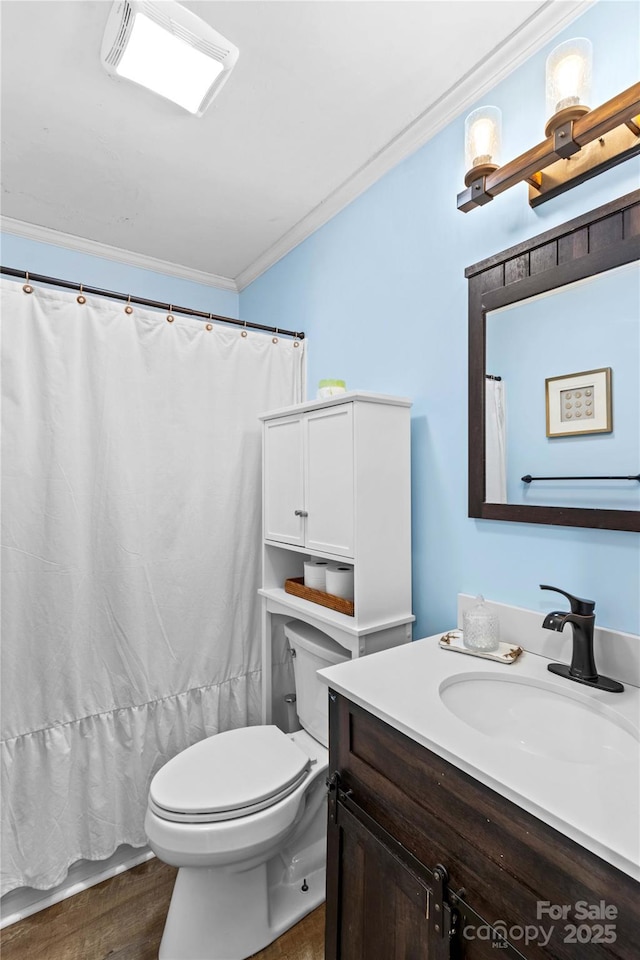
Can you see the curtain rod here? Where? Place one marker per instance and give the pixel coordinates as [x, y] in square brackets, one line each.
[141, 301]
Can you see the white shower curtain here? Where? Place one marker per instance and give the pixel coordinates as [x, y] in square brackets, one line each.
[131, 560]
[495, 442]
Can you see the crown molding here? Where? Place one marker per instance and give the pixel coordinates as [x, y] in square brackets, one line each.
[537, 31]
[32, 231]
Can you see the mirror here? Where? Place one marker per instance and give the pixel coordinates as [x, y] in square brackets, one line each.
[567, 403]
[554, 390]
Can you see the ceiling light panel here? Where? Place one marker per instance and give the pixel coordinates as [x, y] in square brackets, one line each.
[166, 48]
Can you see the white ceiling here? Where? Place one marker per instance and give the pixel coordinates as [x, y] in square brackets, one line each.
[326, 96]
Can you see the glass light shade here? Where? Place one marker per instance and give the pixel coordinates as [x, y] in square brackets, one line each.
[568, 75]
[167, 65]
[483, 138]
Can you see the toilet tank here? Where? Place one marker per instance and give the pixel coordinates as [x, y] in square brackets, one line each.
[312, 651]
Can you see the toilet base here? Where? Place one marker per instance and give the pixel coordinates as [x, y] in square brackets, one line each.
[219, 915]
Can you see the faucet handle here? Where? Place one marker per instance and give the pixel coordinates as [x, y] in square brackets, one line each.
[583, 608]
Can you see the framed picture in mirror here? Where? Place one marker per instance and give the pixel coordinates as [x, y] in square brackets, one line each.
[579, 403]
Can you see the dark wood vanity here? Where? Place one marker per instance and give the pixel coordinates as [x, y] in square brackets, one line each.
[399, 814]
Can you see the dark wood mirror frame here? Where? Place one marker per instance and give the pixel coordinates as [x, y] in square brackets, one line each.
[597, 241]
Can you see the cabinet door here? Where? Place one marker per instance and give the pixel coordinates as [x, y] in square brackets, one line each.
[283, 480]
[329, 492]
[383, 905]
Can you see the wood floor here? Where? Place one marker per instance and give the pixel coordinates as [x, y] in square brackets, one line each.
[123, 919]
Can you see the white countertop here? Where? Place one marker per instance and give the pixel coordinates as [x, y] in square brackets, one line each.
[595, 804]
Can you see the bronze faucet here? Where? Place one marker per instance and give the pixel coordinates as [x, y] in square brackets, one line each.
[582, 619]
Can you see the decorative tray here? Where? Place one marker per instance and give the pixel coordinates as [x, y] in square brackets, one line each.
[296, 587]
[506, 652]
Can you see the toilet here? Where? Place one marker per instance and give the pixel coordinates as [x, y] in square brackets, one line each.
[243, 815]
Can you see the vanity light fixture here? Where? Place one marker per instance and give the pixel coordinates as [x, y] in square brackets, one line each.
[166, 48]
[482, 142]
[580, 142]
[568, 82]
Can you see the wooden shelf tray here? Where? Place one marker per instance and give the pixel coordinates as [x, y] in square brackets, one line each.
[296, 587]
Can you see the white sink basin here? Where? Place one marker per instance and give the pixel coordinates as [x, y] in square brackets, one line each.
[538, 718]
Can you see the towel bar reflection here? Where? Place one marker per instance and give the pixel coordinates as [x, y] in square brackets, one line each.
[528, 478]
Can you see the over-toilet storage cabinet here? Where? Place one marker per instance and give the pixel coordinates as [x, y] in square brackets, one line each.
[337, 485]
[398, 812]
[309, 480]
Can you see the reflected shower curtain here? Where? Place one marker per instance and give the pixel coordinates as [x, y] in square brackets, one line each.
[495, 442]
[131, 479]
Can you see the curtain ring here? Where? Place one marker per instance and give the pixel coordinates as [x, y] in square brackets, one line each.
[170, 316]
[128, 309]
[81, 297]
[209, 326]
[27, 286]
[296, 343]
[274, 339]
[243, 333]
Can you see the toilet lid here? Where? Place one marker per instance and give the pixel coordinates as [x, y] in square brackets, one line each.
[229, 775]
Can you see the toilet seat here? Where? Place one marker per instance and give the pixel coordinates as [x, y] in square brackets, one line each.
[230, 775]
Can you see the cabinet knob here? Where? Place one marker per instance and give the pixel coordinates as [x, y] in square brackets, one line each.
[301, 513]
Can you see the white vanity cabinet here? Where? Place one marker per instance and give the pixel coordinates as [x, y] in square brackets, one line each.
[337, 485]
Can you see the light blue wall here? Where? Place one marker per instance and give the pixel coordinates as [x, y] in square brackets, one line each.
[55, 261]
[380, 291]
